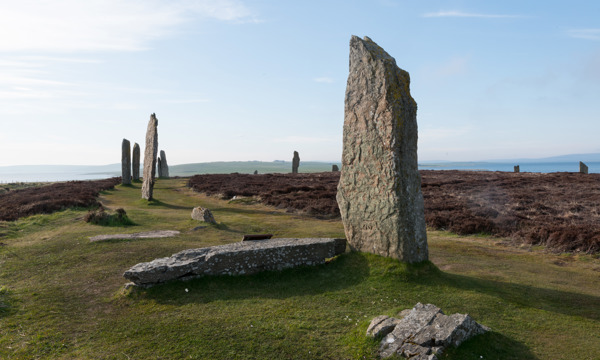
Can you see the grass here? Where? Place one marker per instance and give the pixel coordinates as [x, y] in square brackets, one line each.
[62, 297]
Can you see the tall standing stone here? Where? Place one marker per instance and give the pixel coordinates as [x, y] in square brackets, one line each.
[126, 162]
[135, 162]
[517, 168]
[295, 163]
[150, 158]
[379, 193]
[583, 168]
[159, 167]
[164, 165]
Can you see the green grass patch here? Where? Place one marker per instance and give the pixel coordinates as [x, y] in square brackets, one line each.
[62, 296]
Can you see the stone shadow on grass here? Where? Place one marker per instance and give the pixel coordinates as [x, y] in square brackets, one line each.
[156, 202]
[491, 345]
[563, 302]
[305, 280]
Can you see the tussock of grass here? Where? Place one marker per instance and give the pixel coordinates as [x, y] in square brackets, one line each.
[66, 296]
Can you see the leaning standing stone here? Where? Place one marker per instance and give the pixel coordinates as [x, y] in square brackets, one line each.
[295, 163]
[150, 158]
[583, 168]
[379, 193]
[125, 162]
[135, 162]
[164, 165]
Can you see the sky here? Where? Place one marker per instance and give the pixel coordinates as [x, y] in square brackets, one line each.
[241, 80]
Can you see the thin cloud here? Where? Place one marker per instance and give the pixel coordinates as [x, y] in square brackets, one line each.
[324, 79]
[461, 14]
[587, 34]
[104, 25]
[303, 140]
[186, 101]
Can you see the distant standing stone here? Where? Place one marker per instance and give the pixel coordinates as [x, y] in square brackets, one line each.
[159, 168]
[126, 162]
[517, 168]
[135, 162]
[379, 193]
[334, 168]
[202, 214]
[583, 168]
[150, 158]
[255, 172]
[164, 165]
[295, 163]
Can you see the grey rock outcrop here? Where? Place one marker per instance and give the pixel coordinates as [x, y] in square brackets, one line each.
[150, 158]
[247, 257]
[126, 162]
[583, 168]
[164, 172]
[335, 168]
[159, 168]
[379, 192]
[135, 162]
[517, 168]
[295, 163]
[423, 332]
[202, 214]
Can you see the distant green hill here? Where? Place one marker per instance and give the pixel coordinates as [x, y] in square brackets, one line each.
[248, 167]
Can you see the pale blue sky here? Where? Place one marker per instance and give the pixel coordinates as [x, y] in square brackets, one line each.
[256, 80]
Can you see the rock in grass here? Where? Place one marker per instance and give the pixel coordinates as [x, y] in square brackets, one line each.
[247, 257]
[202, 214]
[135, 162]
[126, 162]
[423, 332]
[150, 158]
[379, 192]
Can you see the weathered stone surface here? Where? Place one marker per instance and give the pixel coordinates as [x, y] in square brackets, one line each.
[239, 258]
[125, 162]
[163, 165]
[141, 235]
[517, 168]
[135, 162]
[150, 158]
[583, 168]
[335, 168]
[379, 193]
[382, 325]
[295, 163]
[202, 214]
[424, 332]
[159, 168]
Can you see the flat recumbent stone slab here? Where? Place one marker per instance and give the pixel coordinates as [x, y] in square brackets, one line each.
[246, 257]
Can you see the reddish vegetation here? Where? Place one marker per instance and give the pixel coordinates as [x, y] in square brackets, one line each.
[47, 199]
[559, 210]
[313, 193]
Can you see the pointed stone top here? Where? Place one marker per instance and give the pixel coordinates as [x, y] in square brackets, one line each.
[367, 46]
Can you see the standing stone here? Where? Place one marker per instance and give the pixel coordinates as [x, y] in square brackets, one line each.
[517, 168]
[159, 167]
[255, 172]
[125, 162]
[583, 168]
[164, 165]
[379, 193]
[334, 168]
[150, 158]
[295, 163]
[135, 162]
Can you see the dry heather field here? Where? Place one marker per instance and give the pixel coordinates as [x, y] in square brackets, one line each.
[63, 297]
